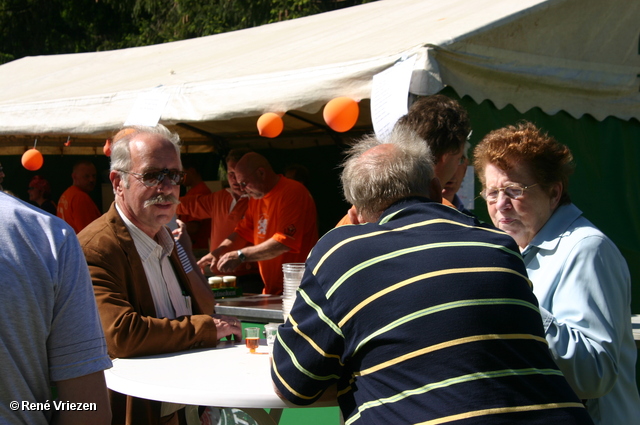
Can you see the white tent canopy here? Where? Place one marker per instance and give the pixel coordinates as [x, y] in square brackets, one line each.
[580, 56]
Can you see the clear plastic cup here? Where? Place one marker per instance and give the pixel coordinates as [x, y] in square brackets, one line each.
[293, 271]
[252, 338]
[271, 330]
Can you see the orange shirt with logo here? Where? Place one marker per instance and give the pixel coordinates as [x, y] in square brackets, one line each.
[220, 208]
[286, 214]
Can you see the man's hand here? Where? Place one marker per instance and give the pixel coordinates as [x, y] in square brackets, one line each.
[207, 261]
[226, 326]
[228, 262]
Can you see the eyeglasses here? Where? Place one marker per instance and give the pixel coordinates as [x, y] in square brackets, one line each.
[154, 178]
[513, 191]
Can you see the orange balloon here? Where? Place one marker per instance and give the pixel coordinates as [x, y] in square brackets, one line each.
[270, 125]
[107, 148]
[341, 114]
[32, 159]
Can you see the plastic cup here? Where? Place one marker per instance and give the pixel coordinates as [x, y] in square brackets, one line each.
[287, 305]
[293, 271]
[271, 330]
[252, 338]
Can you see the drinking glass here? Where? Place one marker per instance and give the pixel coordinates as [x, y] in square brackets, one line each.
[252, 338]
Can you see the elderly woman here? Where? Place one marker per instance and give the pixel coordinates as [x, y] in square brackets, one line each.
[579, 277]
[40, 194]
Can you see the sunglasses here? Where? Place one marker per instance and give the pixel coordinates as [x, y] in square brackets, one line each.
[154, 178]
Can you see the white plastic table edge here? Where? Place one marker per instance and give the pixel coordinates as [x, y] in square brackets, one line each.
[205, 377]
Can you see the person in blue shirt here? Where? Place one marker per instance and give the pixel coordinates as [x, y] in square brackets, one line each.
[580, 278]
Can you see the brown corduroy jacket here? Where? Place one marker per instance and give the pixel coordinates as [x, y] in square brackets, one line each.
[127, 310]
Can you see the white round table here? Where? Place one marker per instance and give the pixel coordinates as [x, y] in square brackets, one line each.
[225, 376]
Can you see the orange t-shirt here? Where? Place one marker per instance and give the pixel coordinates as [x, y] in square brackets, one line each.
[287, 213]
[76, 207]
[201, 239]
[219, 207]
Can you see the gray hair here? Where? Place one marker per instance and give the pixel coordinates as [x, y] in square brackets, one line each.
[121, 154]
[373, 182]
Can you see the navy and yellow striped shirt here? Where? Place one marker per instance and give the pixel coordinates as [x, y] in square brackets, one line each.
[426, 317]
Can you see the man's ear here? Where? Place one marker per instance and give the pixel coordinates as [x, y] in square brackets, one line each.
[353, 215]
[435, 190]
[116, 181]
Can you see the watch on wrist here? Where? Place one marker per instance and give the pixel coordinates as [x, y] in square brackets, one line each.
[241, 256]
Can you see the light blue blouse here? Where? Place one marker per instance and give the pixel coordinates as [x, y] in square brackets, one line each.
[583, 286]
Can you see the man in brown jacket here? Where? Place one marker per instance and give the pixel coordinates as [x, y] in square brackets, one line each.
[147, 302]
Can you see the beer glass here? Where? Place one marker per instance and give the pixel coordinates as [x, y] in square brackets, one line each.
[252, 338]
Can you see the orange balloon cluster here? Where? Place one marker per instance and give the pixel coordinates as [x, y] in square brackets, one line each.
[32, 159]
[341, 114]
[270, 125]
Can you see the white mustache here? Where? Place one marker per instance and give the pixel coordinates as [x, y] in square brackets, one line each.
[160, 199]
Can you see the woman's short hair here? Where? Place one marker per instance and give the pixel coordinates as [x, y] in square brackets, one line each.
[525, 144]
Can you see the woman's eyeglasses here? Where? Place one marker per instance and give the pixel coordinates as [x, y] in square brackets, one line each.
[154, 178]
[513, 191]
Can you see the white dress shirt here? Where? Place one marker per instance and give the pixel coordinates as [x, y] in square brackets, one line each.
[168, 297]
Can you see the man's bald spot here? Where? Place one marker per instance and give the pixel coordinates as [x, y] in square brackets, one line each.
[250, 162]
[382, 150]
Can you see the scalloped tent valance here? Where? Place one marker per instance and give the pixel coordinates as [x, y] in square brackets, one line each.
[580, 56]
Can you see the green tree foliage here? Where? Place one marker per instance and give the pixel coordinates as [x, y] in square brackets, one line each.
[44, 27]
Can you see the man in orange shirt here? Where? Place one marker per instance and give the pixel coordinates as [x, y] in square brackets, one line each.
[280, 222]
[225, 208]
[198, 228]
[444, 125]
[75, 206]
